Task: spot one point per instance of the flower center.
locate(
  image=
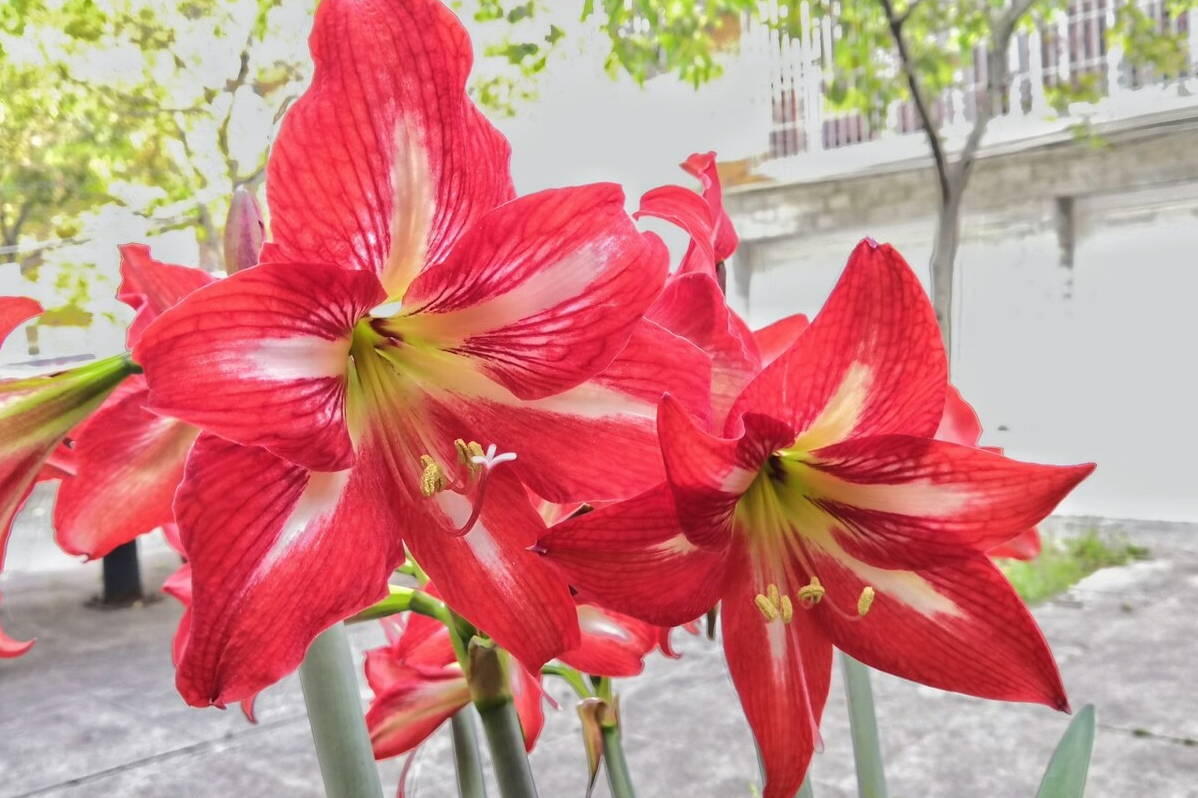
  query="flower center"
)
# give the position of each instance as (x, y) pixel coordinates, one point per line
(782, 522)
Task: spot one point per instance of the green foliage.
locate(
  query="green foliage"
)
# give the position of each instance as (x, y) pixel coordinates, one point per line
(1063, 563)
(160, 107)
(1146, 44)
(680, 36)
(1070, 763)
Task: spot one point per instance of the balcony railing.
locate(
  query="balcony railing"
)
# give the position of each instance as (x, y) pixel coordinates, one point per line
(1072, 50)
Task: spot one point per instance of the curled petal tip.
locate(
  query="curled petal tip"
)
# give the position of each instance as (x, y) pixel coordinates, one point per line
(11, 649)
(873, 244)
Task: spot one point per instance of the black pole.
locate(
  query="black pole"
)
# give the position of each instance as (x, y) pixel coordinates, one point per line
(122, 576)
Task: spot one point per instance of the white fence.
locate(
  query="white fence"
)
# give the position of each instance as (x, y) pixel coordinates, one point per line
(1071, 48)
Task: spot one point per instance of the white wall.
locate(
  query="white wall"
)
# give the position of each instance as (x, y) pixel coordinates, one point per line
(1094, 363)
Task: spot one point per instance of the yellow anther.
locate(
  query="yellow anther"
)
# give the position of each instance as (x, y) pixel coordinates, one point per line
(463, 453)
(811, 593)
(432, 479)
(865, 601)
(768, 609)
(466, 454)
(788, 609)
(774, 595)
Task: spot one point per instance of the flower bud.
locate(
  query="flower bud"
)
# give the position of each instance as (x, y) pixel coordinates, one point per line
(244, 231)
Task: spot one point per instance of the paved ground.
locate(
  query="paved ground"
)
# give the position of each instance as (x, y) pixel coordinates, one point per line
(91, 710)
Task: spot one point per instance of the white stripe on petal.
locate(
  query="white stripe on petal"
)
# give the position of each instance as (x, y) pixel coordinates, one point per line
(316, 504)
(295, 358)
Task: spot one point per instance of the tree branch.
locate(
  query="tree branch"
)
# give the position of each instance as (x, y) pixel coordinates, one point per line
(997, 72)
(902, 18)
(925, 117)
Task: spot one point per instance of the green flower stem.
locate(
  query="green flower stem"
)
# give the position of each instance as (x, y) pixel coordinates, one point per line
(570, 677)
(330, 684)
(618, 778)
(491, 690)
(402, 599)
(506, 740)
(805, 790)
(867, 751)
(465, 755)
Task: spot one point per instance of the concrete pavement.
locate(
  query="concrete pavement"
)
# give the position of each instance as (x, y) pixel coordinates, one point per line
(91, 711)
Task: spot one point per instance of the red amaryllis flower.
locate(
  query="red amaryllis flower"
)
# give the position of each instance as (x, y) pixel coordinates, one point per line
(961, 425)
(337, 430)
(128, 461)
(36, 413)
(824, 513)
(418, 685)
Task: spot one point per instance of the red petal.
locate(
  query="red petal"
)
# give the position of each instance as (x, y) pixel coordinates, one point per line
(542, 293)
(693, 306)
(781, 672)
(960, 423)
(691, 212)
(910, 502)
(775, 339)
(415, 704)
(1024, 546)
(959, 627)
(613, 644)
(279, 554)
(871, 362)
(384, 161)
(655, 362)
(260, 358)
(709, 474)
(633, 558)
(152, 287)
(15, 311)
(11, 648)
(529, 697)
(610, 418)
(128, 463)
(489, 575)
(702, 165)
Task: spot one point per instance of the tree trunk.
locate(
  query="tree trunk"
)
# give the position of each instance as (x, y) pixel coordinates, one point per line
(944, 255)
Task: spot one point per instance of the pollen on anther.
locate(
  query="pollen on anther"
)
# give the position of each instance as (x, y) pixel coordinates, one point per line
(811, 594)
(768, 610)
(787, 610)
(865, 601)
(433, 479)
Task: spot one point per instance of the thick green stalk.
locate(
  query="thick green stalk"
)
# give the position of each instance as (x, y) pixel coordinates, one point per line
(805, 790)
(618, 777)
(491, 691)
(867, 751)
(506, 741)
(330, 684)
(465, 755)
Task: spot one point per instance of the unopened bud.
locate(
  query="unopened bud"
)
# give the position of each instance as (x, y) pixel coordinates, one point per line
(244, 231)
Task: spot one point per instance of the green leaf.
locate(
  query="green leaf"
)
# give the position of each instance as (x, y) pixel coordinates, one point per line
(1066, 773)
